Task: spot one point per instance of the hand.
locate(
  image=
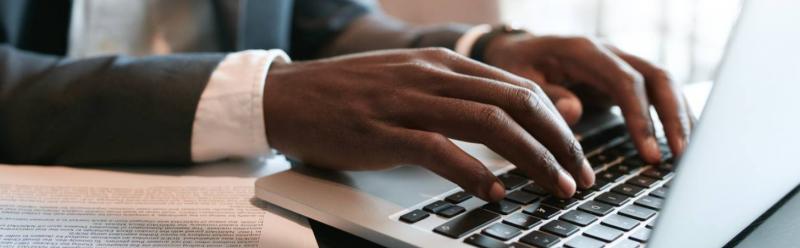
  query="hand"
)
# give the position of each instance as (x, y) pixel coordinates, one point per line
(559, 64)
(381, 109)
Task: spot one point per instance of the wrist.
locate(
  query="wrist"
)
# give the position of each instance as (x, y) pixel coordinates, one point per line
(489, 40)
(504, 47)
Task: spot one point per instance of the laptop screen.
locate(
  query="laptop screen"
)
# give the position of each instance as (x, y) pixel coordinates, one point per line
(742, 157)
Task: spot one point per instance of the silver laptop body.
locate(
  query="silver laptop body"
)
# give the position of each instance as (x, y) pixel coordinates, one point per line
(740, 161)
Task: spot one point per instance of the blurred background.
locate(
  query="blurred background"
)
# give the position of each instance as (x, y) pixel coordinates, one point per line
(687, 37)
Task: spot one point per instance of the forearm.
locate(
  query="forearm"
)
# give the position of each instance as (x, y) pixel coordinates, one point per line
(375, 31)
(104, 110)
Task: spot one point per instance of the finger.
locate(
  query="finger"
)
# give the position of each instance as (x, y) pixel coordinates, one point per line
(529, 108)
(667, 100)
(567, 103)
(448, 60)
(489, 125)
(627, 87)
(439, 155)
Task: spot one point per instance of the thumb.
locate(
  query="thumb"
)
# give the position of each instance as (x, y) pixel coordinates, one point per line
(567, 103)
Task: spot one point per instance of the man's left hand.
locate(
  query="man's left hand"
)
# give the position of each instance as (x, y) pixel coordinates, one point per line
(563, 64)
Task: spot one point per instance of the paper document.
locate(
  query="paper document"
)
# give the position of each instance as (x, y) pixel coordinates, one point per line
(52, 206)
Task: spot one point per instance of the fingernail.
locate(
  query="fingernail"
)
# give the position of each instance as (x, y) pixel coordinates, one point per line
(652, 147)
(566, 185)
(682, 145)
(497, 192)
(567, 107)
(563, 105)
(587, 178)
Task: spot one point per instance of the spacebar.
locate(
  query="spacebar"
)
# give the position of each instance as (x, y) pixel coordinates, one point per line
(464, 224)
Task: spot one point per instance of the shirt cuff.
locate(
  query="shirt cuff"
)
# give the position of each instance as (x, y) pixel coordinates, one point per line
(229, 121)
(465, 42)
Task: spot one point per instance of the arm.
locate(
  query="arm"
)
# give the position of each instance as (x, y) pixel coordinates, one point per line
(324, 28)
(100, 110)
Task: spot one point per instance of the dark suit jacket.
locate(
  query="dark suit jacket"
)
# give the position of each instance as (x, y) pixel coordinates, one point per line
(125, 110)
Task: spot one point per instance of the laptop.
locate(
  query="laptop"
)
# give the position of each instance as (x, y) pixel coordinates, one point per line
(740, 162)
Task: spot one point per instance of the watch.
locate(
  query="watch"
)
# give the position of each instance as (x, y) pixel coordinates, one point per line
(479, 48)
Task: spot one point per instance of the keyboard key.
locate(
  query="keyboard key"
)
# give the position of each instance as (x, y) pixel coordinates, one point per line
(560, 203)
(629, 190)
(620, 222)
(584, 242)
(484, 241)
(642, 181)
(602, 158)
(627, 243)
(624, 168)
(654, 173)
(652, 222)
(502, 231)
(451, 211)
(466, 223)
(659, 192)
(603, 233)
(536, 189)
(613, 198)
(512, 181)
(540, 239)
(600, 184)
(523, 221)
(641, 235)
(667, 166)
(522, 197)
(458, 197)
(634, 162)
(517, 171)
(609, 176)
(502, 207)
(437, 206)
(414, 216)
(560, 228)
(541, 211)
(650, 202)
(578, 217)
(583, 194)
(596, 208)
(601, 138)
(518, 245)
(637, 212)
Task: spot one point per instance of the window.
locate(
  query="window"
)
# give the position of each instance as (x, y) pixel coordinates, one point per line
(687, 37)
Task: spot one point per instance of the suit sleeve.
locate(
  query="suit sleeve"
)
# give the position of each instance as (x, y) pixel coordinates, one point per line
(105, 110)
(316, 23)
(323, 28)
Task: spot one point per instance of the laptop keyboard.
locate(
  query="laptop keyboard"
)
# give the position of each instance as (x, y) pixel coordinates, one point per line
(619, 211)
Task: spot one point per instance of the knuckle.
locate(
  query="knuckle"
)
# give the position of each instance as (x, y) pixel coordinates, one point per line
(441, 54)
(631, 81)
(435, 51)
(535, 88)
(432, 144)
(661, 75)
(578, 42)
(576, 150)
(524, 100)
(491, 117)
(418, 67)
(550, 164)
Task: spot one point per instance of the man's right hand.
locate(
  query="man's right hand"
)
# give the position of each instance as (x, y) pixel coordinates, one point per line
(381, 109)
